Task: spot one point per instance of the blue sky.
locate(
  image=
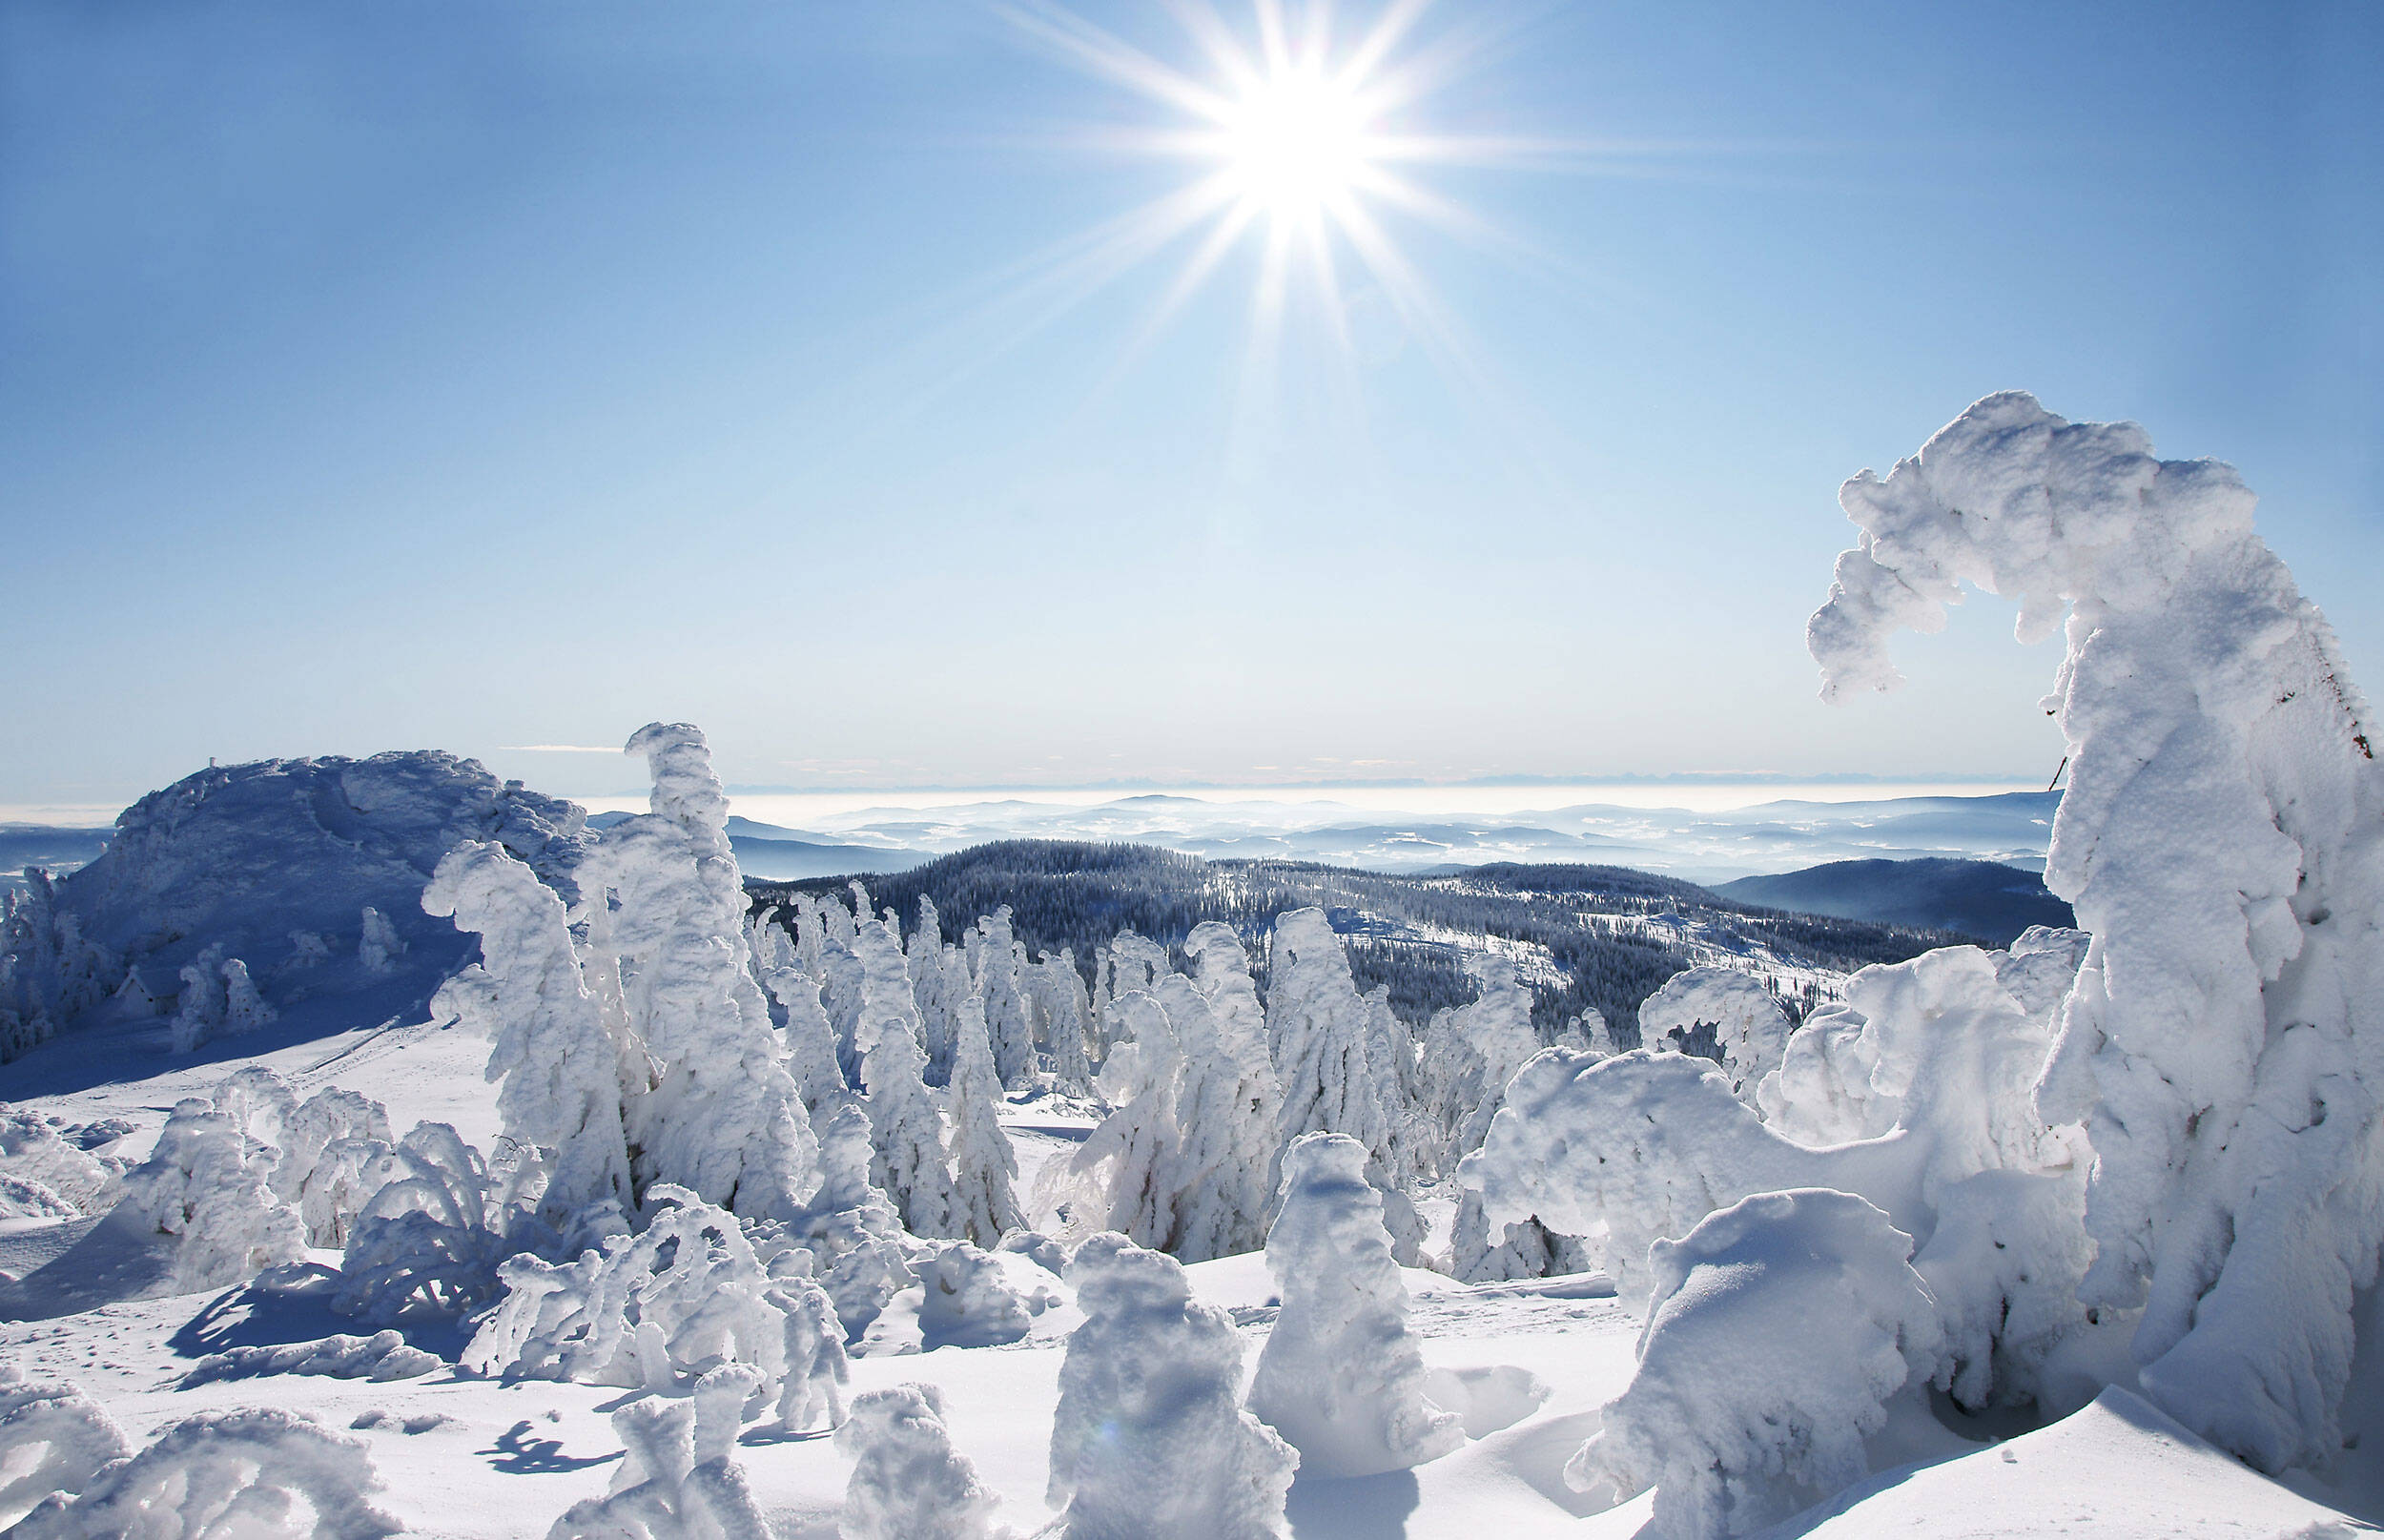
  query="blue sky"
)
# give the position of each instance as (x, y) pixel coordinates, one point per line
(474, 377)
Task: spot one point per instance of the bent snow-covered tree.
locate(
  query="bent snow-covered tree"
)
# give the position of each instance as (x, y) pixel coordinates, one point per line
(559, 1067)
(2225, 1038)
(723, 1118)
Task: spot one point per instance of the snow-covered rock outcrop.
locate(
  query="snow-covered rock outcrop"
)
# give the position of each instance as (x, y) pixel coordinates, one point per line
(268, 864)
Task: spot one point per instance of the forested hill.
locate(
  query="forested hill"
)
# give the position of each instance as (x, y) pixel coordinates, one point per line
(1584, 935)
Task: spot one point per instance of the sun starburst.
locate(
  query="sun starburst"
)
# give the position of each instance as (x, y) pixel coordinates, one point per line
(1298, 139)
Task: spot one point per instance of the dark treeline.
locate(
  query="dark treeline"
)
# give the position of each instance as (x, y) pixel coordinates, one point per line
(1613, 933)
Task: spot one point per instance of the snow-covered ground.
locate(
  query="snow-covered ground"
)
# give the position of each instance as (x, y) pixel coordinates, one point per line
(479, 1459)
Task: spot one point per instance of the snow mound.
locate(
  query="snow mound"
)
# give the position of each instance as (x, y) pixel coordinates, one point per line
(1781, 1327)
(1341, 1377)
(1149, 1441)
(252, 1471)
(677, 1481)
(53, 1439)
(381, 1356)
(2117, 1469)
(907, 1482)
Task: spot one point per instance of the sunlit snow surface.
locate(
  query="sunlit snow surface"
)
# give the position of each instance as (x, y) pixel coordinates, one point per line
(488, 1460)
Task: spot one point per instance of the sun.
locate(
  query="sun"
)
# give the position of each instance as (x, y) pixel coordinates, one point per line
(1297, 141)
(1305, 144)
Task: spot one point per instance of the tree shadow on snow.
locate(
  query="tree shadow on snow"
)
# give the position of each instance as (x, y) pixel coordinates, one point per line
(520, 1454)
(293, 1304)
(1375, 1508)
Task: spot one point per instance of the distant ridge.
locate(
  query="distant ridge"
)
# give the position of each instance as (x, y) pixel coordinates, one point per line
(1986, 900)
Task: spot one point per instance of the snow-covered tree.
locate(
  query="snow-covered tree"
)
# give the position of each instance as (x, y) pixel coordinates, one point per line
(652, 1312)
(1215, 1173)
(53, 1440)
(1318, 1028)
(1749, 1030)
(560, 1087)
(678, 1478)
(811, 1040)
(378, 946)
(811, 1387)
(2220, 1039)
(1316, 1025)
(1777, 1331)
(1635, 1148)
(1056, 993)
(199, 1010)
(48, 1174)
(210, 1188)
(250, 1471)
(905, 1129)
(1341, 1378)
(1150, 1441)
(723, 1118)
(907, 1482)
(1000, 960)
(1136, 962)
(1498, 1040)
(937, 977)
(244, 1009)
(1136, 1145)
(983, 1164)
(430, 1238)
(1220, 972)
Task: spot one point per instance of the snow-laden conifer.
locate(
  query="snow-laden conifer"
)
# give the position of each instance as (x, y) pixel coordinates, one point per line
(810, 1041)
(983, 1164)
(722, 1119)
(558, 1067)
(1061, 1011)
(999, 960)
(1341, 1377)
(1498, 1039)
(905, 1129)
(2222, 1039)
(378, 946)
(1150, 1441)
(907, 1482)
(210, 1189)
(678, 1478)
(1320, 1029)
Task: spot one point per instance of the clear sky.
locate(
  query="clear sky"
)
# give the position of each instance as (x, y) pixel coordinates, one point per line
(483, 376)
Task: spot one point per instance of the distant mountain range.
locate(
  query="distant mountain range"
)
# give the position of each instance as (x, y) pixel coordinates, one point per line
(1981, 899)
(769, 853)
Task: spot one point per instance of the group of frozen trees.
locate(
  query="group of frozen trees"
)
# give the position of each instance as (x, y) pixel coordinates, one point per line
(2146, 1151)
